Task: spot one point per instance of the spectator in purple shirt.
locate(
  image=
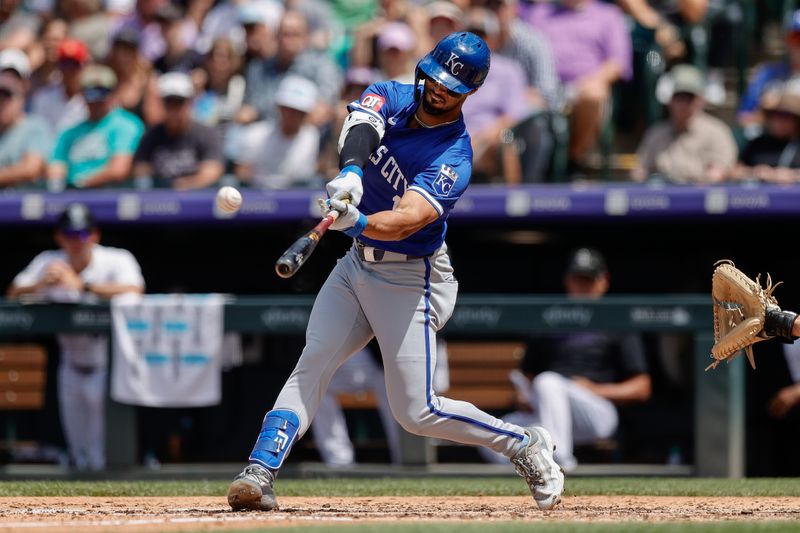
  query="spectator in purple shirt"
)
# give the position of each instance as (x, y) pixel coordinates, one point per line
(501, 102)
(592, 49)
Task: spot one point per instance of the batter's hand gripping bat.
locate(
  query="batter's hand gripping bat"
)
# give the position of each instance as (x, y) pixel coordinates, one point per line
(298, 253)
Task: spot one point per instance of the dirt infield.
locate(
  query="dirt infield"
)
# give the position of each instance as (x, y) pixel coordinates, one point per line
(98, 514)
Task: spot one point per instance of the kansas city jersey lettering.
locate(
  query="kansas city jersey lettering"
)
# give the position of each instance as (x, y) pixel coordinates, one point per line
(435, 163)
(389, 169)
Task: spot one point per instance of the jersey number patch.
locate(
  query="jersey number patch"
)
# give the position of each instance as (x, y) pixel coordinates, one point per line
(372, 101)
(445, 180)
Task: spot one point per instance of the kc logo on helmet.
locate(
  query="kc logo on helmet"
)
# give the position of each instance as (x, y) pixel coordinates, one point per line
(445, 180)
(372, 101)
(454, 66)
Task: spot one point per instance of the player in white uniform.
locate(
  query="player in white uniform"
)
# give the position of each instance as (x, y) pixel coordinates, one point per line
(406, 158)
(81, 270)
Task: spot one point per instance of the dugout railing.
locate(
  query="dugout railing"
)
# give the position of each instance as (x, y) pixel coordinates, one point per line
(719, 395)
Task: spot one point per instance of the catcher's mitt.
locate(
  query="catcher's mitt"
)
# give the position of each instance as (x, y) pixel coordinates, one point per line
(740, 308)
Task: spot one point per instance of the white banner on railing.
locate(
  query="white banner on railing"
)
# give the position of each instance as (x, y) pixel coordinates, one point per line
(167, 349)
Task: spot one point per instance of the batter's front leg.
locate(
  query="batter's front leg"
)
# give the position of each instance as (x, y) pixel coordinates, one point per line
(337, 328)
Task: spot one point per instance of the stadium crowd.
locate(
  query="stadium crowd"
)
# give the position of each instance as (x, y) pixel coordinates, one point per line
(191, 93)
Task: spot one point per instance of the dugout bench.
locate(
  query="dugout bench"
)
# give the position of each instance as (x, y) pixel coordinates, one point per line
(719, 395)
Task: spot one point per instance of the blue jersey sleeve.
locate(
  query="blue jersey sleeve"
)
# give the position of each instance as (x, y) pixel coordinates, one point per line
(381, 100)
(444, 181)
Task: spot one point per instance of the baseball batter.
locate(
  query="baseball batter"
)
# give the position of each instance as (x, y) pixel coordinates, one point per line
(406, 159)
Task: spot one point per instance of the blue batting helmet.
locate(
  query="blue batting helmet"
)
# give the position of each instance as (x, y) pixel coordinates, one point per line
(460, 62)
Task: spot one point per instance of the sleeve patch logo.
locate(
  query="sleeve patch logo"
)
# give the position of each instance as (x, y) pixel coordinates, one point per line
(445, 180)
(372, 101)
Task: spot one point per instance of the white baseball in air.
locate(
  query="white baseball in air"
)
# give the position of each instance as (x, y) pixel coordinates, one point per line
(229, 199)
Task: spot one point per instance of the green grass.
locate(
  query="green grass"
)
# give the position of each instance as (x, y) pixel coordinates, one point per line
(501, 486)
(539, 527)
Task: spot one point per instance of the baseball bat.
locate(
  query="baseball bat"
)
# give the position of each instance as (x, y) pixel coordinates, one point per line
(298, 253)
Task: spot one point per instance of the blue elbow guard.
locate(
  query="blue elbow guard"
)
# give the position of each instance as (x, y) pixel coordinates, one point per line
(278, 434)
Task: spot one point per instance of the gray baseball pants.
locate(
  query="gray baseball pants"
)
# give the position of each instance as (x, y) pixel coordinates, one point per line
(403, 304)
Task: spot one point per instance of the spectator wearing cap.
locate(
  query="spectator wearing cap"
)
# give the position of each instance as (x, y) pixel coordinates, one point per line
(572, 384)
(592, 49)
(769, 76)
(530, 49)
(25, 141)
(15, 61)
(52, 35)
(80, 269)
(294, 56)
(396, 46)
(145, 23)
(444, 18)
(61, 102)
(98, 151)
(178, 56)
(774, 156)
(179, 153)
(282, 152)
(501, 103)
(690, 146)
(260, 22)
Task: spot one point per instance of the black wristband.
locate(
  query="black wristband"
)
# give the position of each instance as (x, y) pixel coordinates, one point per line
(779, 323)
(87, 286)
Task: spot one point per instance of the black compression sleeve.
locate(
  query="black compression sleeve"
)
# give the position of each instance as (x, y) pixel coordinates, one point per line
(361, 141)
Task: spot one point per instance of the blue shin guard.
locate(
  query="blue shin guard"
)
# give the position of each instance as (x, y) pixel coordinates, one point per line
(278, 434)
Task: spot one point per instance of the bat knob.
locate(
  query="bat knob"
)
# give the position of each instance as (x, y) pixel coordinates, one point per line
(284, 268)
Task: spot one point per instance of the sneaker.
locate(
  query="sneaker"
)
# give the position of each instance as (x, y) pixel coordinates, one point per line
(252, 490)
(536, 464)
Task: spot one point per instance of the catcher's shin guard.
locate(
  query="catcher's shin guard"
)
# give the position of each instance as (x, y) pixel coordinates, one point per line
(278, 434)
(778, 323)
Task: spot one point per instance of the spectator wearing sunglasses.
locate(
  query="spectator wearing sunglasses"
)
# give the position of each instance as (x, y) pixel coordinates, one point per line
(774, 156)
(98, 151)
